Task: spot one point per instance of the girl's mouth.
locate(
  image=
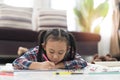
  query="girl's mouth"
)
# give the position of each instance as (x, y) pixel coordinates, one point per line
(55, 62)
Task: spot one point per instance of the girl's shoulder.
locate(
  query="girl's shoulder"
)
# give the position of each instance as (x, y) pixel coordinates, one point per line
(77, 55)
(34, 49)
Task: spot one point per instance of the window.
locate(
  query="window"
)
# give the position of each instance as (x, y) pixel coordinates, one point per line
(19, 3)
(67, 5)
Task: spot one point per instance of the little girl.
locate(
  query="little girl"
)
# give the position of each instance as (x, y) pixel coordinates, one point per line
(56, 50)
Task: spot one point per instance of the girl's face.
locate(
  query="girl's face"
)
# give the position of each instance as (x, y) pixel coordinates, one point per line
(55, 50)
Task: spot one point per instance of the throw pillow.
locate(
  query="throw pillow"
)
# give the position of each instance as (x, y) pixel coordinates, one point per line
(15, 17)
(49, 19)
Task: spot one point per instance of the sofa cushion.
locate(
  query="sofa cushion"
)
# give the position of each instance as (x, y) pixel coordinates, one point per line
(86, 43)
(15, 17)
(50, 19)
(86, 36)
(15, 34)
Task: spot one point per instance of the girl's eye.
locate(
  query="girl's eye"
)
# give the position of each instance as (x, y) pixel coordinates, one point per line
(61, 52)
(51, 52)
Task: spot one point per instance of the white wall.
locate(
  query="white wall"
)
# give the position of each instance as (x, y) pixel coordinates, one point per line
(106, 29)
(1, 1)
(39, 4)
(45, 4)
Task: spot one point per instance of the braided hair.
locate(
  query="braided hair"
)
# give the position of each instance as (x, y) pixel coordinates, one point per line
(56, 34)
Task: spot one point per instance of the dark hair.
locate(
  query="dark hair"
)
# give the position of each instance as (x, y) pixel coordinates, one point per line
(57, 34)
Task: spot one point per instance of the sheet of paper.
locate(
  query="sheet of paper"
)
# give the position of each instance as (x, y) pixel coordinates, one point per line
(109, 63)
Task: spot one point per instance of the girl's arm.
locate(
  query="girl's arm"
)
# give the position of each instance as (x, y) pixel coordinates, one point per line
(24, 61)
(77, 63)
(29, 61)
(46, 65)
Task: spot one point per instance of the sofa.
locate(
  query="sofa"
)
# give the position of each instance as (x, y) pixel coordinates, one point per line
(16, 29)
(12, 38)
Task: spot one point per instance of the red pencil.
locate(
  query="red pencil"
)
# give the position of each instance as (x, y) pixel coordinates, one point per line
(45, 57)
(7, 73)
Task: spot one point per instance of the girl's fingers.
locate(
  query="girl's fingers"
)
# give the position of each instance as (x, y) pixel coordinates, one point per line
(50, 65)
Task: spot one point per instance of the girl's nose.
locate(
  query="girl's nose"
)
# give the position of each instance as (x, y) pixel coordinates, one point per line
(55, 57)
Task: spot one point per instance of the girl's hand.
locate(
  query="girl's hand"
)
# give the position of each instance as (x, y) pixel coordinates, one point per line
(42, 65)
(47, 65)
(60, 65)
